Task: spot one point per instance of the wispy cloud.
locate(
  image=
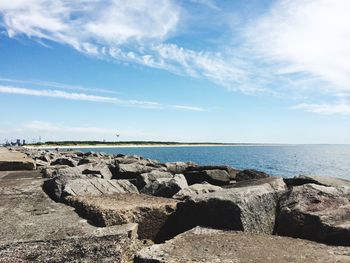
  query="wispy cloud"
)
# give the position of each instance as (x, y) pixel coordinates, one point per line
(56, 85)
(329, 109)
(183, 107)
(91, 98)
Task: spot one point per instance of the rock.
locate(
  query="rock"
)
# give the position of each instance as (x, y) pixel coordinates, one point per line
(251, 208)
(230, 170)
(130, 171)
(64, 161)
(178, 167)
(208, 245)
(99, 168)
(62, 170)
(316, 212)
(167, 188)
(61, 187)
(249, 175)
(148, 178)
(196, 189)
(215, 177)
(149, 212)
(40, 163)
(314, 179)
(10, 161)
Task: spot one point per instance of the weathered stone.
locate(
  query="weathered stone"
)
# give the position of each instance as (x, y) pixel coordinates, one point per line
(64, 161)
(10, 161)
(130, 171)
(315, 179)
(250, 174)
(99, 168)
(317, 213)
(167, 188)
(250, 208)
(148, 178)
(230, 170)
(196, 189)
(40, 163)
(62, 170)
(61, 187)
(208, 245)
(149, 212)
(215, 177)
(178, 167)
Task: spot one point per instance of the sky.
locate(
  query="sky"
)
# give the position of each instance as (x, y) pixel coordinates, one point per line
(257, 71)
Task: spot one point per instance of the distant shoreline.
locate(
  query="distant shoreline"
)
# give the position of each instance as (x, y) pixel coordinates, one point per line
(148, 146)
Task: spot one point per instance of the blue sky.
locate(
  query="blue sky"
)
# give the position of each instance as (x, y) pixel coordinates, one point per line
(194, 70)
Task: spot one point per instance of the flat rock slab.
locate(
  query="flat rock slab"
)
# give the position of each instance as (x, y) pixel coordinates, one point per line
(207, 245)
(12, 160)
(35, 228)
(149, 212)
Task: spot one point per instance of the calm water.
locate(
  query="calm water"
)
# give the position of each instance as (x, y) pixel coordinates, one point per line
(286, 161)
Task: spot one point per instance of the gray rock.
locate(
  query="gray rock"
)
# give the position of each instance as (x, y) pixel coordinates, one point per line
(130, 171)
(250, 208)
(99, 168)
(232, 172)
(315, 179)
(316, 212)
(168, 188)
(148, 178)
(64, 161)
(250, 174)
(62, 170)
(196, 189)
(178, 167)
(61, 187)
(215, 246)
(215, 177)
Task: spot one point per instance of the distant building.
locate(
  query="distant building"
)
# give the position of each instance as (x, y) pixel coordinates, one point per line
(24, 142)
(18, 142)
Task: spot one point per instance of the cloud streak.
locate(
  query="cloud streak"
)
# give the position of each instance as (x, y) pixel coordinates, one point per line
(90, 98)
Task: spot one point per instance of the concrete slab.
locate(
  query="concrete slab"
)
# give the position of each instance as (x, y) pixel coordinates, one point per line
(14, 160)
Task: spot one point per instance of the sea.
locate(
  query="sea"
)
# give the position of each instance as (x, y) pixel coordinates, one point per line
(285, 161)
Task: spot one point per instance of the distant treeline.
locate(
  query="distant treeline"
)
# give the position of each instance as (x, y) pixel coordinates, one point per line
(63, 143)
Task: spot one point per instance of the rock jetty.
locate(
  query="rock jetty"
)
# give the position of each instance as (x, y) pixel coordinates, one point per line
(70, 206)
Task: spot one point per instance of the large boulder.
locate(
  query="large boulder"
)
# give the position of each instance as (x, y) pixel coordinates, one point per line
(61, 187)
(130, 171)
(62, 170)
(100, 168)
(151, 213)
(251, 208)
(178, 167)
(169, 187)
(208, 245)
(232, 172)
(316, 179)
(146, 179)
(215, 177)
(250, 174)
(316, 212)
(64, 161)
(196, 189)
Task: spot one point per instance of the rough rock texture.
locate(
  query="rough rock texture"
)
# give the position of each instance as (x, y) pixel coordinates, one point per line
(62, 186)
(178, 167)
(130, 171)
(62, 170)
(232, 172)
(250, 174)
(64, 161)
(251, 208)
(196, 189)
(10, 160)
(215, 177)
(34, 228)
(212, 246)
(146, 179)
(314, 179)
(149, 212)
(99, 168)
(168, 188)
(317, 213)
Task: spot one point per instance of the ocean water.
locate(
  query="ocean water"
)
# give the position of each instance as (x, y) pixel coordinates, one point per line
(286, 161)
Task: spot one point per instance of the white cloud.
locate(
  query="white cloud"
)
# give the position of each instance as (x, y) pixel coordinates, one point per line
(91, 98)
(340, 108)
(306, 40)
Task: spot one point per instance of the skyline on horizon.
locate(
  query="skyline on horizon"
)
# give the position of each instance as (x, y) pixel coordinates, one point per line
(189, 71)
